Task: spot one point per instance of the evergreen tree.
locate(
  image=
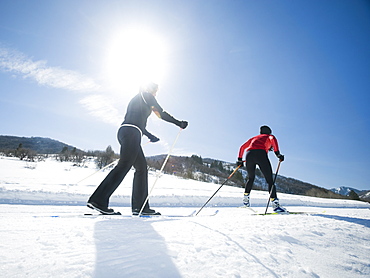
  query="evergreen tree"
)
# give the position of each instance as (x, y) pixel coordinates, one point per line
(198, 159)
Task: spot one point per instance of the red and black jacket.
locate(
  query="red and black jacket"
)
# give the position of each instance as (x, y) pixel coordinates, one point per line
(260, 142)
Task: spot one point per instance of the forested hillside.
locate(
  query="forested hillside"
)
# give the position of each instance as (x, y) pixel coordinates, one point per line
(38, 144)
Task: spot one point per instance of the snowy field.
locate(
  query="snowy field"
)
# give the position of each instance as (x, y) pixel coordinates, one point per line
(331, 240)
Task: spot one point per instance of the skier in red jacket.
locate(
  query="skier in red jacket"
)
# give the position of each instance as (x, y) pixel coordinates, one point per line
(257, 149)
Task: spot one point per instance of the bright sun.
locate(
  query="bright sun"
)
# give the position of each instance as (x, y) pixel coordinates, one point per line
(134, 56)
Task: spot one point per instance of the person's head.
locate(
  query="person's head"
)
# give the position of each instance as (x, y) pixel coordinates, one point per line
(149, 87)
(265, 130)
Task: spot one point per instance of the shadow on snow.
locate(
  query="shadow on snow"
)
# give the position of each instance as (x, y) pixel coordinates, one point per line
(131, 248)
(359, 221)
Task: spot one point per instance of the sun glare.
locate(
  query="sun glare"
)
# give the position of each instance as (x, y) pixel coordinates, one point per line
(135, 56)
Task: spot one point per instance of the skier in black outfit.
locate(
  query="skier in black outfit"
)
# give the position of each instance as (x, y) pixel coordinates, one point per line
(131, 154)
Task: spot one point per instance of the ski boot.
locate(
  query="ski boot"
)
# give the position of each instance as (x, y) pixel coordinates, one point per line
(246, 201)
(102, 209)
(276, 206)
(146, 211)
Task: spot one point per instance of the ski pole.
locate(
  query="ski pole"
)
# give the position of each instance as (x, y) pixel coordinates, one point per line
(236, 169)
(160, 171)
(272, 187)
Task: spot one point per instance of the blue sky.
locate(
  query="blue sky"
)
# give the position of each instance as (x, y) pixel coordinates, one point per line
(68, 69)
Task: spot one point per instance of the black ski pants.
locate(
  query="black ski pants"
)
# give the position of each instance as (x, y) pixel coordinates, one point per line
(131, 154)
(260, 158)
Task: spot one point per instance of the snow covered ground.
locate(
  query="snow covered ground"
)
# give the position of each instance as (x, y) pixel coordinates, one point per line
(332, 240)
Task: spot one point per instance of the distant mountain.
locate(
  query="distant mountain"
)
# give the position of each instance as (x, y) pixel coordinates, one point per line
(343, 190)
(39, 144)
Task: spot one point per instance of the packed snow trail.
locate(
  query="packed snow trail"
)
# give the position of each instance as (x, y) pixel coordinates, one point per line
(230, 244)
(330, 241)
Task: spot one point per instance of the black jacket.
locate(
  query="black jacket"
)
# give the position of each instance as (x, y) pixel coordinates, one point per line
(140, 108)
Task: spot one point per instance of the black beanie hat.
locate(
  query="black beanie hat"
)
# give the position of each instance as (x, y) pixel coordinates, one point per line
(265, 130)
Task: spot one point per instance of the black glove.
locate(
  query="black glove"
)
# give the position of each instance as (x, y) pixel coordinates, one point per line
(240, 162)
(183, 124)
(281, 157)
(153, 139)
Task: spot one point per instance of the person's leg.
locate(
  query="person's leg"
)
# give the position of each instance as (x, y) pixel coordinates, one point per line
(130, 140)
(251, 169)
(265, 166)
(266, 169)
(140, 183)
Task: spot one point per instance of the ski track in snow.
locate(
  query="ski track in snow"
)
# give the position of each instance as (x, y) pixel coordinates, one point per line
(331, 240)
